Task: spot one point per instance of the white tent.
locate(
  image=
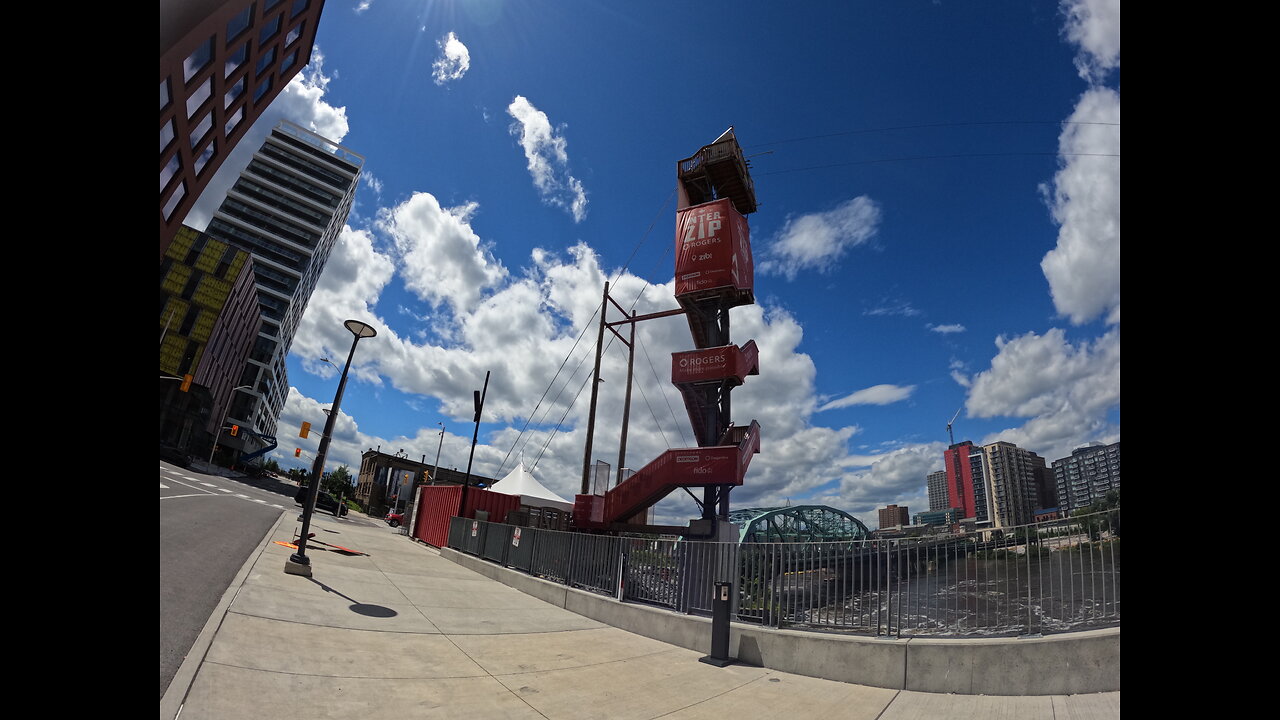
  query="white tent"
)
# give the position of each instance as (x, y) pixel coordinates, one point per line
(531, 492)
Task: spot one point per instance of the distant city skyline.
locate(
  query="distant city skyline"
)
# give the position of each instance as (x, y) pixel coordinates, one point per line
(938, 229)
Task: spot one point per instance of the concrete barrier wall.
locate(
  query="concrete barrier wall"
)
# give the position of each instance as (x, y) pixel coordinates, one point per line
(1066, 664)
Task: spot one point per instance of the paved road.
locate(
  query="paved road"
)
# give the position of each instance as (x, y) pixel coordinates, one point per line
(208, 527)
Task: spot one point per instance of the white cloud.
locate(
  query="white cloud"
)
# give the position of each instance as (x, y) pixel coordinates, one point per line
(547, 157)
(1069, 390)
(947, 329)
(302, 101)
(454, 60)
(522, 331)
(1084, 269)
(874, 395)
(895, 477)
(957, 367)
(1094, 26)
(349, 287)
(893, 307)
(1066, 389)
(362, 6)
(818, 240)
(442, 258)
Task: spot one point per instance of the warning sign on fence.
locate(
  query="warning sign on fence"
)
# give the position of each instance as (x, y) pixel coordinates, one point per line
(515, 538)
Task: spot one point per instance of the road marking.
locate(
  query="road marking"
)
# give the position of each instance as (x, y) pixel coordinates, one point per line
(208, 484)
(246, 497)
(193, 487)
(264, 502)
(163, 486)
(188, 477)
(175, 497)
(223, 490)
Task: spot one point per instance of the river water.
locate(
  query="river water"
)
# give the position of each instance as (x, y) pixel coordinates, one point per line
(1002, 593)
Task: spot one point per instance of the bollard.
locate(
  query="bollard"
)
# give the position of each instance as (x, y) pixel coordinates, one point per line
(720, 627)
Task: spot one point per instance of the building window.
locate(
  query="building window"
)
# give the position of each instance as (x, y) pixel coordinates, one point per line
(239, 24)
(197, 60)
(202, 129)
(199, 96)
(289, 61)
(205, 156)
(178, 193)
(263, 89)
(265, 61)
(294, 34)
(170, 169)
(234, 60)
(233, 93)
(233, 121)
(166, 135)
(298, 7)
(269, 30)
(165, 97)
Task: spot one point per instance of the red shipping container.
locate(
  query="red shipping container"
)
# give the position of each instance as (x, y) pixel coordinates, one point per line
(713, 248)
(717, 363)
(439, 503)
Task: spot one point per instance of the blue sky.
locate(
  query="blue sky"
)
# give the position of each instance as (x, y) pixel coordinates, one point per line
(938, 229)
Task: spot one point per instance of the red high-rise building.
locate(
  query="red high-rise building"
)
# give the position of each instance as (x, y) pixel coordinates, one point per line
(960, 477)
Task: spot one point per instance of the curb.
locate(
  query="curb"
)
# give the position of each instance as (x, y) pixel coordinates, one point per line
(176, 694)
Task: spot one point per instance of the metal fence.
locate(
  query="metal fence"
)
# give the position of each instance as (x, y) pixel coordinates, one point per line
(1048, 577)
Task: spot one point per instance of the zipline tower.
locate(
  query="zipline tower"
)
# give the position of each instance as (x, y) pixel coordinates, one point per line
(713, 273)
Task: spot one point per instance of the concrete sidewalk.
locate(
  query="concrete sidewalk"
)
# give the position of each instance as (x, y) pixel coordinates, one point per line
(404, 632)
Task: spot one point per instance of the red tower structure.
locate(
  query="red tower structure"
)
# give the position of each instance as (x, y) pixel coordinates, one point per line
(713, 273)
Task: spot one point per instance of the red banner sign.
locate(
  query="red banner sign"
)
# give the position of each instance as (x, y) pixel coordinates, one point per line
(713, 248)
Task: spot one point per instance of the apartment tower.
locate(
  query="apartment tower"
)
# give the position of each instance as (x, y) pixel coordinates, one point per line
(286, 210)
(1087, 475)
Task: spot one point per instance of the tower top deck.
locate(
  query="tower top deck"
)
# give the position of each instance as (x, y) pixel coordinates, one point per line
(718, 170)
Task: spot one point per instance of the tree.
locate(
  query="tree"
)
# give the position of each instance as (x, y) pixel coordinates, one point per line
(1094, 522)
(337, 482)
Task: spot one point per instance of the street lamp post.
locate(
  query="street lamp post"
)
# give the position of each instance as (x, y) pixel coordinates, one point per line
(436, 468)
(218, 428)
(298, 563)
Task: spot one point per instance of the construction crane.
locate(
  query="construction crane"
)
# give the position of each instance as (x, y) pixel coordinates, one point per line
(953, 419)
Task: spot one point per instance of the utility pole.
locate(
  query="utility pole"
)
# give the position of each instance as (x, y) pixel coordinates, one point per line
(595, 394)
(479, 401)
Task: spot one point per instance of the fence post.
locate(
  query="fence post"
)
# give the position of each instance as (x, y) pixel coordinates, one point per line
(622, 570)
(568, 570)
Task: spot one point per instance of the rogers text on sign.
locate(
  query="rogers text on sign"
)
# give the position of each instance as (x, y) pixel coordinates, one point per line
(717, 359)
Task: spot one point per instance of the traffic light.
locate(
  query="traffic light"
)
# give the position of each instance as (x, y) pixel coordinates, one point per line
(186, 383)
(297, 452)
(306, 430)
(235, 430)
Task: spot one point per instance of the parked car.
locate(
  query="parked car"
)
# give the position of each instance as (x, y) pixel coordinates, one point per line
(394, 518)
(324, 501)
